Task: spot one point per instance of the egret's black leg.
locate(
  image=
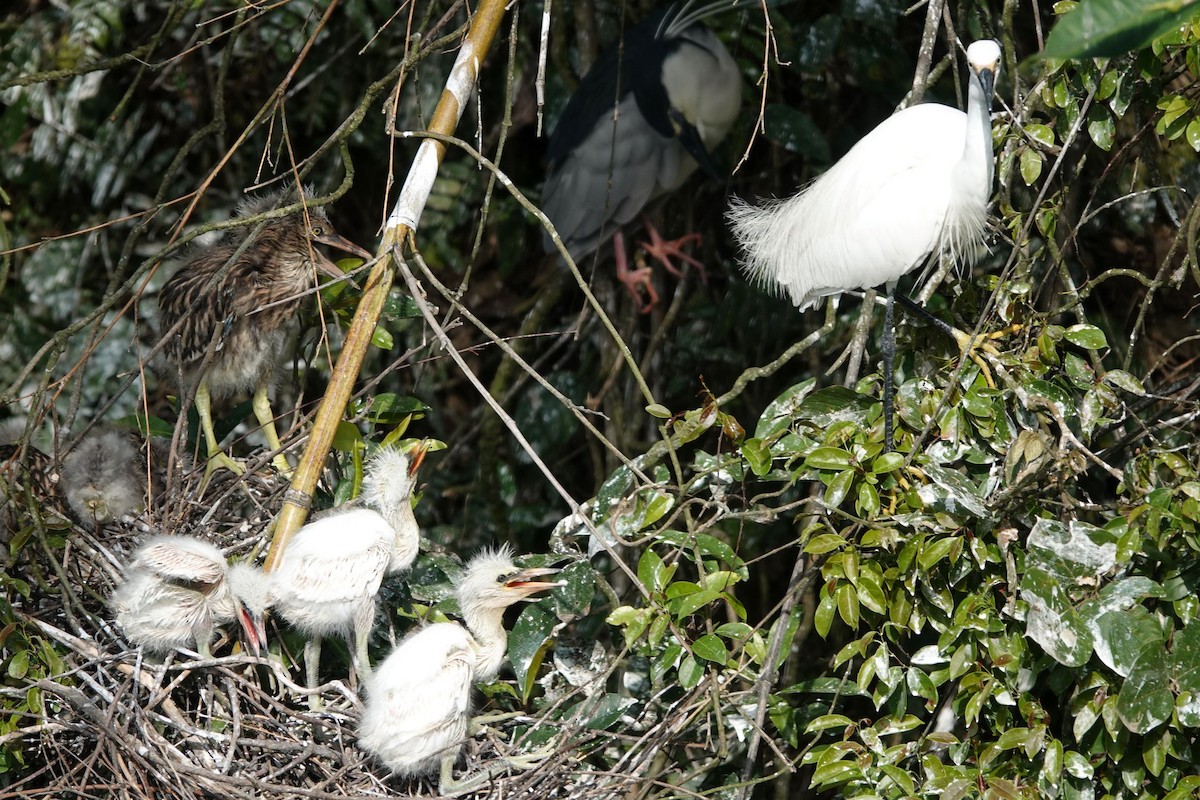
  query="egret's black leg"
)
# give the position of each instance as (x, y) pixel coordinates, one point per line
(967, 343)
(920, 311)
(889, 357)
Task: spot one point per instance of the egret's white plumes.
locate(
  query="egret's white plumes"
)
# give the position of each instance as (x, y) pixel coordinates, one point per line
(916, 185)
(418, 702)
(329, 574)
(179, 590)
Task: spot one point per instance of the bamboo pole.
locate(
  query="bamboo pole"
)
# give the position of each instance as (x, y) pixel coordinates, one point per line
(402, 221)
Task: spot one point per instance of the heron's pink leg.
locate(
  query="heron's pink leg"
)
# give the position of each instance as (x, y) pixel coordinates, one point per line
(663, 251)
(634, 278)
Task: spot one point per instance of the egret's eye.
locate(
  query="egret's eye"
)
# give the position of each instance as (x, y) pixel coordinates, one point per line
(318, 231)
(506, 577)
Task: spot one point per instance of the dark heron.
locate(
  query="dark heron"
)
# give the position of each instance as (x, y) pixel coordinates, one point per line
(642, 119)
(913, 191)
(241, 299)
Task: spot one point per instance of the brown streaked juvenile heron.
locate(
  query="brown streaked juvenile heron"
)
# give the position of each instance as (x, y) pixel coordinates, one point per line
(178, 590)
(642, 119)
(330, 572)
(418, 702)
(248, 302)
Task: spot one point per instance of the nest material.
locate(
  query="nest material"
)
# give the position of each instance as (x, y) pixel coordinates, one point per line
(105, 721)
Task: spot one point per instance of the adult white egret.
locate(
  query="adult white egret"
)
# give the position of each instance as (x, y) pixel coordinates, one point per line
(643, 117)
(329, 574)
(250, 304)
(178, 590)
(418, 702)
(914, 187)
(104, 477)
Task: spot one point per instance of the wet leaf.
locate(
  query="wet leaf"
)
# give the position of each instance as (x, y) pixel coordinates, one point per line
(1109, 28)
(1086, 336)
(710, 648)
(528, 644)
(606, 713)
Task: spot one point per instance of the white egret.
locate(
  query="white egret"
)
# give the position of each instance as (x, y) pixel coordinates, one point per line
(418, 702)
(329, 574)
(178, 590)
(914, 189)
(642, 119)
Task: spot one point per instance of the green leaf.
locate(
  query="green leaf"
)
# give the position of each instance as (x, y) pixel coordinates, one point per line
(1101, 126)
(1145, 701)
(608, 711)
(1042, 134)
(690, 672)
(887, 462)
(653, 572)
(795, 130)
(528, 644)
(659, 411)
(833, 458)
(1110, 28)
(824, 543)
(758, 455)
(18, 665)
(1124, 381)
(691, 603)
(382, 338)
(1031, 165)
(1086, 336)
(868, 500)
(710, 648)
(778, 414)
(823, 618)
(835, 404)
(633, 620)
(839, 487)
(827, 721)
(1192, 134)
(347, 438)
(847, 602)
(734, 631)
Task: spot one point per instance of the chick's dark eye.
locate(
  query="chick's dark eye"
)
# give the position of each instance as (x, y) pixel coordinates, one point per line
(506, 577)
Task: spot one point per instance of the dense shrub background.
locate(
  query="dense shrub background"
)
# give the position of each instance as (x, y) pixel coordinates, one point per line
(1006, 606)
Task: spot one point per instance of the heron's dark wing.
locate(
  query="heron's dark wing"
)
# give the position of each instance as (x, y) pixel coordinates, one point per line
(614, 75)
(204, 306)
(608, 179)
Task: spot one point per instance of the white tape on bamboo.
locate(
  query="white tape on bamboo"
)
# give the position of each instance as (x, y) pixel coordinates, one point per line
(419, 183)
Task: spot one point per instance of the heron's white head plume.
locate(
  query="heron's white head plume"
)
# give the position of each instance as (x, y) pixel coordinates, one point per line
(493, 582)
(490, 584)
(388, 481)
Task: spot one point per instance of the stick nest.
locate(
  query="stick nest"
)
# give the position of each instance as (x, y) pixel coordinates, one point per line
(88, 712)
